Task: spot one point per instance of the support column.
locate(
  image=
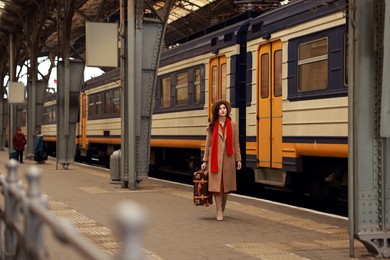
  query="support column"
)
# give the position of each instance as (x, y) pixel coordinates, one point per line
(12, 112)
(144, 41)
(70, 77)
(3, 108)
(68, 103)
(369, 152)
(36, 95)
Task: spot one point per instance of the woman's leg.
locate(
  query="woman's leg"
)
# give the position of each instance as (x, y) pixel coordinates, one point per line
(218, 205)
(224, 200)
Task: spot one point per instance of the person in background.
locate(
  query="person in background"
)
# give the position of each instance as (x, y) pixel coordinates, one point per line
(38, 148)
(19, 141)
(222, 155)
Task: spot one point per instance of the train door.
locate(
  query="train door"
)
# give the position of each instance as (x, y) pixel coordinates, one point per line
(269, 108)
(217, 80)
(83, 123)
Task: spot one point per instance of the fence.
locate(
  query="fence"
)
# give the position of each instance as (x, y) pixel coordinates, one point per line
(25, 213)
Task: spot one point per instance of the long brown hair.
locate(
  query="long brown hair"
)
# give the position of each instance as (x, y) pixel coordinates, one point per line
(215, 116)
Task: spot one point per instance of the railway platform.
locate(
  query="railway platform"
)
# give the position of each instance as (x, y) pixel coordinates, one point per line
(176, 229)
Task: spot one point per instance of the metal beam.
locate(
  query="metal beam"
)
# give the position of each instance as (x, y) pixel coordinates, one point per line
(385, 106)
(144, 41)
(68, 97)
(369, 162)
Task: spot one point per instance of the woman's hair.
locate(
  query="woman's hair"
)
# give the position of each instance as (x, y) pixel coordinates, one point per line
(215, 116)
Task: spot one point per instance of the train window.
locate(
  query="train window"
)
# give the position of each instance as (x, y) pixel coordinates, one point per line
(313, 65)
(278, 73)
(264, 75)
(223, 81)
(24, 118)
(52, 117)
(99, 104)
(44, 116)
(214, 83)
(104, 104)
(196, 86)
(116, 101)
(107, 102)
(91, 106)
(165, 92)
(217, 79)
(182, 89)
(49, 115)
(316, 65)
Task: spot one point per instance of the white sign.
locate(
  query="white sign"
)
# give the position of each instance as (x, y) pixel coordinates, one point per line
(101, 44)
(16, 93)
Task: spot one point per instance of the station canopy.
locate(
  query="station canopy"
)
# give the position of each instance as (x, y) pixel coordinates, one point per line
(26, 19)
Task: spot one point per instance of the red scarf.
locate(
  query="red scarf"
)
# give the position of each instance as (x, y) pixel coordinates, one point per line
(214, 144)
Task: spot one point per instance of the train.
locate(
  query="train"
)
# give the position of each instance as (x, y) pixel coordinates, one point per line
(283, 71)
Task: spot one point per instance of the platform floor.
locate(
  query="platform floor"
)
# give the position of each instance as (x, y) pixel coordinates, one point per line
(251, 229)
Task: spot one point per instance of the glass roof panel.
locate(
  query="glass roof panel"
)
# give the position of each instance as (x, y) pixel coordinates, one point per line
(182, 8)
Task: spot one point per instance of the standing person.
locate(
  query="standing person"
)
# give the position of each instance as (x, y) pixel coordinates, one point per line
(222, 155)
(38, 148)
(19, 141)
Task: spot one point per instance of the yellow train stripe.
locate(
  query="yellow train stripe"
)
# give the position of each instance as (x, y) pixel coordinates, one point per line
(103, 140)
(294, 150)
(313, 149)
(50, 139)
(174, 143)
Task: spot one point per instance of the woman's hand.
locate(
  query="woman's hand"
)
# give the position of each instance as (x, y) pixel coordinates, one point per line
(203, 166)
(239, 165)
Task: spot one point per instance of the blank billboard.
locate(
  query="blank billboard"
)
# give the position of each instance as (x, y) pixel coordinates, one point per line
(101, 44)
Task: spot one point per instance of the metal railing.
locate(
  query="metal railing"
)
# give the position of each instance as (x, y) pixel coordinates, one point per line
(25, 213)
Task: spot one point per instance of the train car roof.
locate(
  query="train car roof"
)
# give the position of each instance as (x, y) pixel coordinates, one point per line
(103, 79)
(50, 96)
(290, 15)
(262, 25)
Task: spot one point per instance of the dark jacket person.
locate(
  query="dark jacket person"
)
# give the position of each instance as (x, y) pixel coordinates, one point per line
(19, 141)
(38, 148)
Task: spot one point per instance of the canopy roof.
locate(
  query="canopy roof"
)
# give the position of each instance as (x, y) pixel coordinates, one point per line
(27, 20)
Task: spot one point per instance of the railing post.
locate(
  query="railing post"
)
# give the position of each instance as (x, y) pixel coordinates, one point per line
(11, 211)
(34, 236)
(131, 220)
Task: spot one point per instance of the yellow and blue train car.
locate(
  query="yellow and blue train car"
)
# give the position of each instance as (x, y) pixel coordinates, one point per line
(283, 71)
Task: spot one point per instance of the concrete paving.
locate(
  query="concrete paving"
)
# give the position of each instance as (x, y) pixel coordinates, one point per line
(176, 229)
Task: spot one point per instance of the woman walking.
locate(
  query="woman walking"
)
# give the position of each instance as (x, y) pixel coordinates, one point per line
(222, 155)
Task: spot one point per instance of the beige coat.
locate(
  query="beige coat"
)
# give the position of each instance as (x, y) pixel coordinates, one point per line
(226, 164)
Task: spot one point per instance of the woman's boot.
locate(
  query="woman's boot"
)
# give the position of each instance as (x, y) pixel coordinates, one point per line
(218, 204)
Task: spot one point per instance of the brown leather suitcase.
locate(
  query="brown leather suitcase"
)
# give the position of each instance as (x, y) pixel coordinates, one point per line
(202, 197)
